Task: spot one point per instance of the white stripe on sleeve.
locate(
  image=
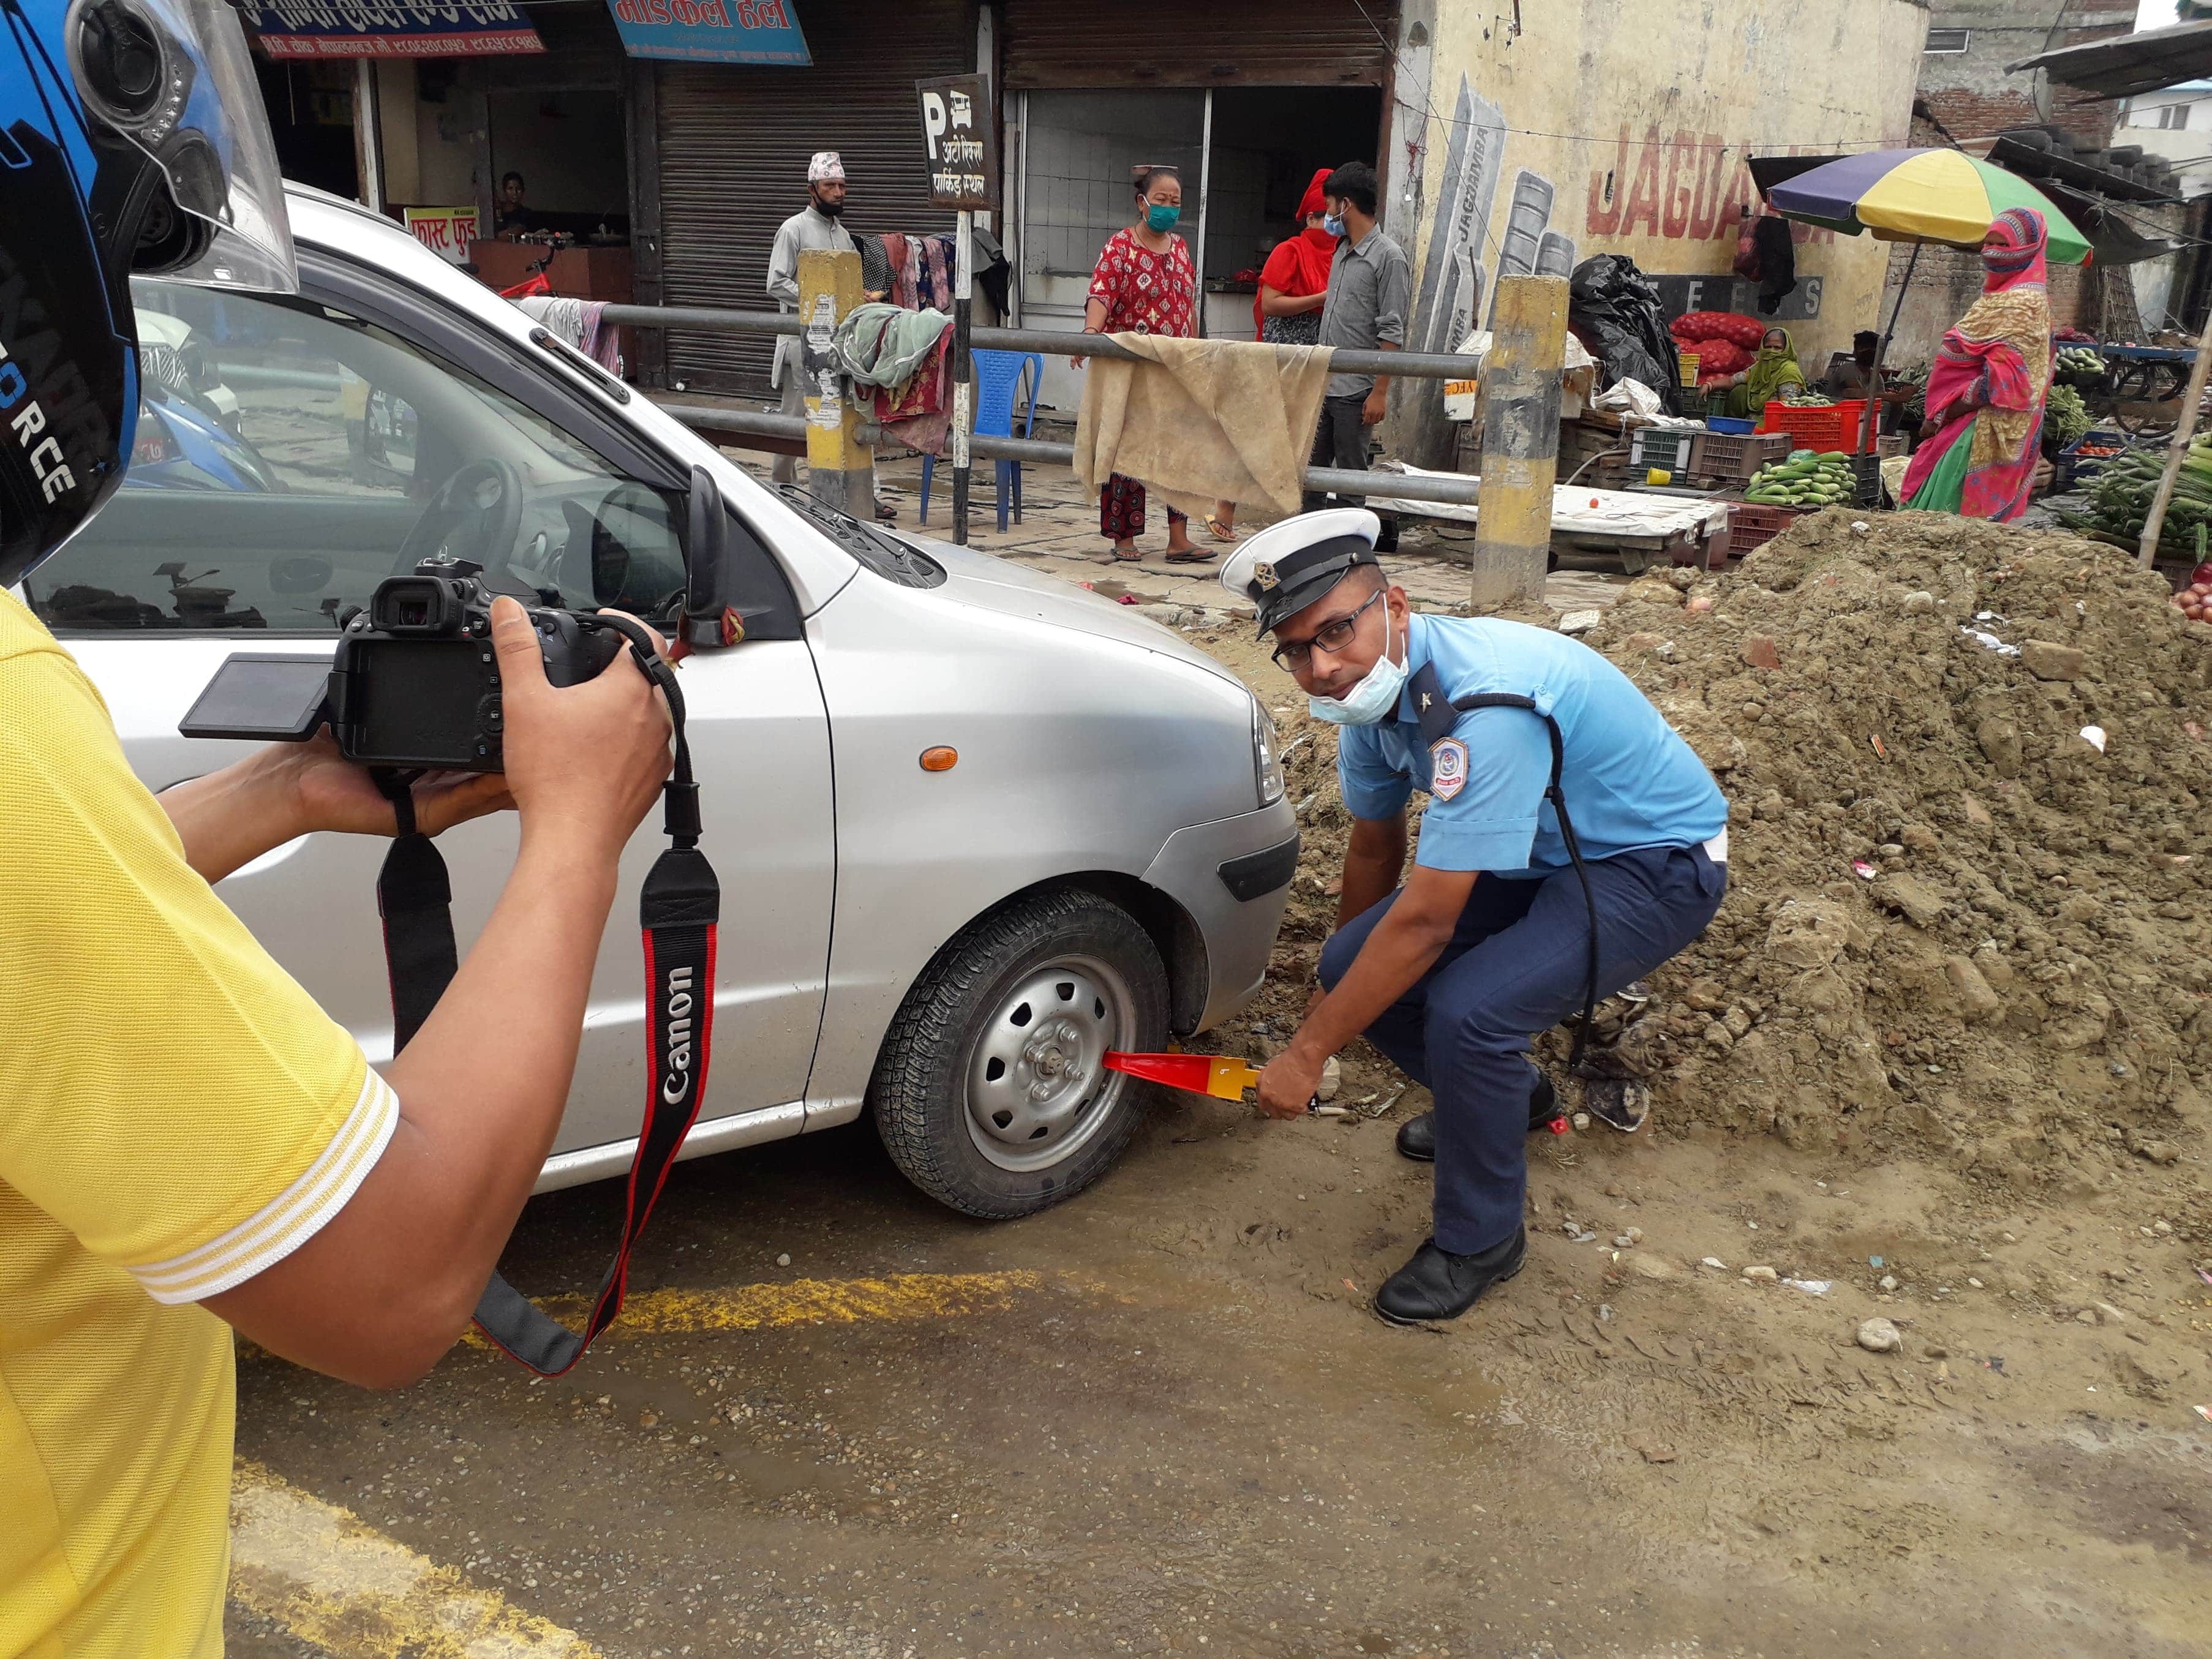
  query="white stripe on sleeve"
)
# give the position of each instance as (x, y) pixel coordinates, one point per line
(293, 1217)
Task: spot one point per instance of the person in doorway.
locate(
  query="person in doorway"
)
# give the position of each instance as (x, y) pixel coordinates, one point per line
(1293, 287)
(1367, 307)
(1572, 776)
(1984, 431)
(1145, 282)
(813, 229)
(513, 220)
(1773, 372)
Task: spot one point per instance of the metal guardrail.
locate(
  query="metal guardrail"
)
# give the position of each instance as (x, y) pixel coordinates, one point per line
(1412, 365)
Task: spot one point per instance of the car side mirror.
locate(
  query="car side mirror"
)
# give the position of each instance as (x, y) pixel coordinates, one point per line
(711, 618)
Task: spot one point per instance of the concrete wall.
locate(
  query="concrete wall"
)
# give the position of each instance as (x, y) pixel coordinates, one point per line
(1604, 128)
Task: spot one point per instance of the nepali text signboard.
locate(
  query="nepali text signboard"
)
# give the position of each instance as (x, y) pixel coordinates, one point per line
(446, 231)
(355, 29)
(955, 129)
(712, 31)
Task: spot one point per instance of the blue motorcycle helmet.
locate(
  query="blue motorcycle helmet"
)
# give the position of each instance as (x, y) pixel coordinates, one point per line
(132, 139)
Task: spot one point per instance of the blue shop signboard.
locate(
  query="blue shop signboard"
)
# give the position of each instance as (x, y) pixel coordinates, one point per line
(712, 31)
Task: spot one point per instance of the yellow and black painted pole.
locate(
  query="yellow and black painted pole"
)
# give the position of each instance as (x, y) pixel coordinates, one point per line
(841, 470)
(1520, 402)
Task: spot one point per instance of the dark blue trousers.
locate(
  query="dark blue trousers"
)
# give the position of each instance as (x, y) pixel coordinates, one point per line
(1514, 968)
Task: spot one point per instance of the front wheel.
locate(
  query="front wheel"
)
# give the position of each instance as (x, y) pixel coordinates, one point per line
(991, 1093)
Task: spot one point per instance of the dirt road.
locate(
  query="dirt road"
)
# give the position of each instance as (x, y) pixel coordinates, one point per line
(1161, 1420)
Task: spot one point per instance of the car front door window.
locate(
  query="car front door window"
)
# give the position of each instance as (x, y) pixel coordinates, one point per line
(290, 457)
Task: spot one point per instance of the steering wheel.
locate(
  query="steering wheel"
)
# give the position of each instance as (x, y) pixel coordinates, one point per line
(487, 491)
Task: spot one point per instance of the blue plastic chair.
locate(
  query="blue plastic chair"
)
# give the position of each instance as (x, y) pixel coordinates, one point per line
(999, 377)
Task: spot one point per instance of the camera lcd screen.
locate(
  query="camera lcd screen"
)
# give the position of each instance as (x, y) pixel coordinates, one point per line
(261, 696)
(421, 699)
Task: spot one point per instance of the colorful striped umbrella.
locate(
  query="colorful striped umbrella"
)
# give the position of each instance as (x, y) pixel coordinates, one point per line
(1920, 195)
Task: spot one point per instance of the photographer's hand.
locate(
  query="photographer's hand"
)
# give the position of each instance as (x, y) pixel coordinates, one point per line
(390, 1282)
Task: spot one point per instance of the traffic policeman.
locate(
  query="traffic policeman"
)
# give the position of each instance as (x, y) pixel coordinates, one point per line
(1572, 844)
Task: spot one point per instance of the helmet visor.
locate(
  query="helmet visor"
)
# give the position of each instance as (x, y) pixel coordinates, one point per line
(175, 80)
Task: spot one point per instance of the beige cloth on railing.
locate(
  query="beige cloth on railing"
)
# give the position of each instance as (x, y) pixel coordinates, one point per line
(1203, 420)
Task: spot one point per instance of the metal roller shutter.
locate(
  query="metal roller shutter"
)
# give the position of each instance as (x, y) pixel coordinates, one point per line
(1055, 44)
(734, 142)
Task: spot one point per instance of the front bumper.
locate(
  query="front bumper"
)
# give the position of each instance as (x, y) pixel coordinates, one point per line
(1233, 878)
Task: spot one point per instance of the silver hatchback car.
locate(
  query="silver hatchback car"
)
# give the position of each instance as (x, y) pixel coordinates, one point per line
(1103, 867)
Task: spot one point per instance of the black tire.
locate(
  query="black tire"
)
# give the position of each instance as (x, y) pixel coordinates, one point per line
(928, 1094)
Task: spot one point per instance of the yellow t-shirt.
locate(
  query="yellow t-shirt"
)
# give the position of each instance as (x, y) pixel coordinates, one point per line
(176, 1114)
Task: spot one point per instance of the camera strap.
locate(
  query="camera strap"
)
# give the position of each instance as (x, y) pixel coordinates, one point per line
(677, 910)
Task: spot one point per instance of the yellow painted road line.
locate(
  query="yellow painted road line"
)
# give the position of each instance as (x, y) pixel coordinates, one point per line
(328, 1579)
(898, 1297)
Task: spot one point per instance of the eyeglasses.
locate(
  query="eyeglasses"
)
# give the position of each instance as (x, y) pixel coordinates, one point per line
(1331, 637)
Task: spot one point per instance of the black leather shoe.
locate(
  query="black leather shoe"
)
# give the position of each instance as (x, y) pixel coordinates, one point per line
(1416, 1136)
(1437, 1285)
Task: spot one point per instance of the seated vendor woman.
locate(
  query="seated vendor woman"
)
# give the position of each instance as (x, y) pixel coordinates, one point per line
(1771, 373)
(1572, 842)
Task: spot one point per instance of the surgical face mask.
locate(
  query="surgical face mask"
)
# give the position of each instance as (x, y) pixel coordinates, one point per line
(1160, 216)
(1334, 224)
(1372, 700)
(829, 209)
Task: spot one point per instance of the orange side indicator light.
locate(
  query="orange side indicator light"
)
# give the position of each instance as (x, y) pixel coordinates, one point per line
(939, 759)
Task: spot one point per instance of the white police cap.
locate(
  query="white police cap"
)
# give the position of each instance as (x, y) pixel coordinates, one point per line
(1288, 566)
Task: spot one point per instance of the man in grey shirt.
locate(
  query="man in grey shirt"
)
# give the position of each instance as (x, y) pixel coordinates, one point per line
(1370, 289)
(813, 229)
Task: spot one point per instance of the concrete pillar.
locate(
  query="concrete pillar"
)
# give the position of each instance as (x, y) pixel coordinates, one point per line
(841, 470)
(1520, 406)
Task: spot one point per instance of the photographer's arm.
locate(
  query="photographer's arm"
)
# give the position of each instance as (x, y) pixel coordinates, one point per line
(228, 819)
(388, 1286)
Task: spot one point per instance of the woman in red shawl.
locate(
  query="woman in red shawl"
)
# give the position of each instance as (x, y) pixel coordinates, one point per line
(1986, 391)
(1293, 285)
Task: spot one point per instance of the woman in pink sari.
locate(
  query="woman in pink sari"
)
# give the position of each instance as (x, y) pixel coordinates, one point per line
(1986, 391)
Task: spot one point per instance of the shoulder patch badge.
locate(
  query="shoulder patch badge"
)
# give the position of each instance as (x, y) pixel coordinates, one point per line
(1447, 768)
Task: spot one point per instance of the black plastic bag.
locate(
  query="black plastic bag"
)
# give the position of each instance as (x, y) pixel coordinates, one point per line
(1614, 310)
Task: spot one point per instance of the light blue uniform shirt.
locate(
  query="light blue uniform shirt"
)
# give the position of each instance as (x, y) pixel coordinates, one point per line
(1629, 780)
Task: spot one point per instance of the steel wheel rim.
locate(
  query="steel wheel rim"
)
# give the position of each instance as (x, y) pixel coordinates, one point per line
(1036, 1086)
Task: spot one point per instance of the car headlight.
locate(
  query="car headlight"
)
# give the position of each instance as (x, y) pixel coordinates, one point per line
(1267, 760)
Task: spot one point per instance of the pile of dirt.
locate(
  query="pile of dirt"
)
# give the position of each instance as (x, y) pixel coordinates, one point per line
(1967, 917)
(1956, 928)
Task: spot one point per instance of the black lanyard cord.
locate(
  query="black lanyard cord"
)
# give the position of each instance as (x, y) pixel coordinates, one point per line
(678, 909)
(1553, 794)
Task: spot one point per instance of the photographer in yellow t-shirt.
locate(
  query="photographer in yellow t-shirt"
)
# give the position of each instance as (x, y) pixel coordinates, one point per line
(188, 1145)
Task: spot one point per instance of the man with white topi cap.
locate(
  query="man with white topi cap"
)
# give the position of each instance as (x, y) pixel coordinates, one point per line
(813, 229)
(1572, 843)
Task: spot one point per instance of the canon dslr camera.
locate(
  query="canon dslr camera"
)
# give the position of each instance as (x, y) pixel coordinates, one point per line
(415, 683)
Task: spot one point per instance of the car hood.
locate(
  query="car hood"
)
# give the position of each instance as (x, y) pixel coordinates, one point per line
(996, 584)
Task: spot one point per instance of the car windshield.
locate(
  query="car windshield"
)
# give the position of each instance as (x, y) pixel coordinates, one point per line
(290, 457)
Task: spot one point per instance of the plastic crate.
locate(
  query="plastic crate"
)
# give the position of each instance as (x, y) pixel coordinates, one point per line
(2073, 467)
(1750, 525)
(1694, 403)
(1672, 449)
(1736, 457)
(1833, 428)
(1868, 492)
(1734, 424)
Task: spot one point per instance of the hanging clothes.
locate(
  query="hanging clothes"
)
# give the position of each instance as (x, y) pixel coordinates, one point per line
(1987, 391)
(1777, 263)
(938, 256)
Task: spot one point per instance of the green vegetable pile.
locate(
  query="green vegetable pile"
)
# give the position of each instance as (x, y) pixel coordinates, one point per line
(2120, 496)
(2082, 360)
(2066, 416)
(1807, 400)
(1804, 480)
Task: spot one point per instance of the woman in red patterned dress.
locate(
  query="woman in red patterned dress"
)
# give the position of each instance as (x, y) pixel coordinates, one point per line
(1145, 284)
